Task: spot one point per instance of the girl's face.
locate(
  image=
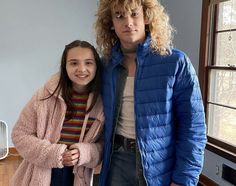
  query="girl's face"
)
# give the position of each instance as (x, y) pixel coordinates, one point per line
(81, 67)
(129, 26)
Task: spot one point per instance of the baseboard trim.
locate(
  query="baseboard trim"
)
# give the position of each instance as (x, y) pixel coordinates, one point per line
(12, 150)
(12, 155)
(205, 181)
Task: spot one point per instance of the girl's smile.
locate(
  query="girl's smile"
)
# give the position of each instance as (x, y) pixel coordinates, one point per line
(81, 67)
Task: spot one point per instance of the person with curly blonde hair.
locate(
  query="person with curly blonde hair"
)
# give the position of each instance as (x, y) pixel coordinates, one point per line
(154, 130)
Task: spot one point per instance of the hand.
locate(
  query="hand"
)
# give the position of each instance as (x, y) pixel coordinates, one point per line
(70, 157)
(173, 184)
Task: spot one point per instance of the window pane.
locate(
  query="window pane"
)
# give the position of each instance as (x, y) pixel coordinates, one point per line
(222, 124)
(227, 15)
(226, 49)
(222, 120)
(223, 87)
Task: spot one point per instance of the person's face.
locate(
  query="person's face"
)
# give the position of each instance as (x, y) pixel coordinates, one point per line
(129, 26)
(81, 67)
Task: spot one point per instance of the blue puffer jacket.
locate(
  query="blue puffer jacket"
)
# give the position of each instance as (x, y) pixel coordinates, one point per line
(169, 116)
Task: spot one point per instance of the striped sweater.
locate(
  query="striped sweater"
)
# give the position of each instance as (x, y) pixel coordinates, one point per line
(74, 118)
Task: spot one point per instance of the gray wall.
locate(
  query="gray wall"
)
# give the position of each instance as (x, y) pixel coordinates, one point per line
(185, 15)
(32, 37)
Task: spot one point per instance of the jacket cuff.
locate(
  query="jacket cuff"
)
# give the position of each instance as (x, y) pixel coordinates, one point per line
(57, 156)
(89, 154)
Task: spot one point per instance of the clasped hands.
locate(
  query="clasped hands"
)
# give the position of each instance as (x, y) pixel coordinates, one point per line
(70, 157)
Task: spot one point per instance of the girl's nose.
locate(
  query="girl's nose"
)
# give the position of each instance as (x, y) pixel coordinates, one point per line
(81, 68)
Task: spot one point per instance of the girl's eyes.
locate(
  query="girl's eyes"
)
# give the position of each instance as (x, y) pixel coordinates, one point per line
(74, 63)
(89, 63)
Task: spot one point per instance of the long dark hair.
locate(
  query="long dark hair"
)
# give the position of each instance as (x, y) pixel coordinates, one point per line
(65, 84)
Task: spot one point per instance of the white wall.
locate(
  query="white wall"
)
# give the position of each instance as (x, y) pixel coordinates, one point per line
(32, 37)
(213, 167)
(185, 15)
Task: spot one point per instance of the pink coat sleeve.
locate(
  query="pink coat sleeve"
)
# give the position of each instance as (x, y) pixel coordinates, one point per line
(37, 151)
(90, 154)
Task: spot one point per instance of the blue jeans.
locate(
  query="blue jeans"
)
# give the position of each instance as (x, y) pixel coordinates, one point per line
(123, 168)
(62, 177)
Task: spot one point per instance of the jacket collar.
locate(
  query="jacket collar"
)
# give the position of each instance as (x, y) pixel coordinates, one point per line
(142, 50)
(52, 83)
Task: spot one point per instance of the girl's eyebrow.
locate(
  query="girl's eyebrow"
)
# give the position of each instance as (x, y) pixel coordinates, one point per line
(72, 59)
(88, 59)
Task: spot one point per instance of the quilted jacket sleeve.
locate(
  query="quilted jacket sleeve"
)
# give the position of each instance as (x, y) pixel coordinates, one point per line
(190, 120)
(39, 152)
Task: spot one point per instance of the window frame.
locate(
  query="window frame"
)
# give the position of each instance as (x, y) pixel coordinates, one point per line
(207, 44)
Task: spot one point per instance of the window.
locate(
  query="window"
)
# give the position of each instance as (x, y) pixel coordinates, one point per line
(217, 71)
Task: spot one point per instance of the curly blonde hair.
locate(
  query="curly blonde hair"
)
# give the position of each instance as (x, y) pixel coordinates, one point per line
(160, 30)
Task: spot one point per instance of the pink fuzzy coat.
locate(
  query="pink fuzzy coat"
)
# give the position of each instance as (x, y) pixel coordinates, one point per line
(37, 132)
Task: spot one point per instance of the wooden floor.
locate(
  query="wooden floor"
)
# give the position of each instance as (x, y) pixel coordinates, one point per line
(8, 166)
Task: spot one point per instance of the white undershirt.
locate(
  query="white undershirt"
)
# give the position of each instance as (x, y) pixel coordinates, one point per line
(126, 123)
